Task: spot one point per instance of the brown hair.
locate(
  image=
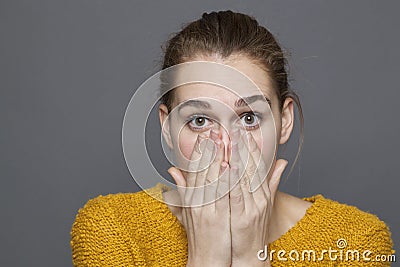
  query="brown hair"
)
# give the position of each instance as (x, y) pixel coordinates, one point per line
(226, 33)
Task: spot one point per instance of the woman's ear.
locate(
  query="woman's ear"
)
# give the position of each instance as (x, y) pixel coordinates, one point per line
(164, 121)
(287, 120)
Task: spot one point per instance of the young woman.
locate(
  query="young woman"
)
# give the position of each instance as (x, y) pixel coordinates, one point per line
(237, 227)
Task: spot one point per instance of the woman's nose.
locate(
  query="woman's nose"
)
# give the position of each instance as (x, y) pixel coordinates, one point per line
(225, 135)
(226, 140)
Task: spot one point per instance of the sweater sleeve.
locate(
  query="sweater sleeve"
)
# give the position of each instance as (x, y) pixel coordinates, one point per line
(375, 247)
(97, 239)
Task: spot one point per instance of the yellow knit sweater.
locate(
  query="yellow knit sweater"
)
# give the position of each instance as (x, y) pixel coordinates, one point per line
(135, 229)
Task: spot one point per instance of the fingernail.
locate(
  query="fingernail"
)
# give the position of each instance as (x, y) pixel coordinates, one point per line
(214, 136)
(215, 131)
(218, 142)
(224, 164)
(197, 144)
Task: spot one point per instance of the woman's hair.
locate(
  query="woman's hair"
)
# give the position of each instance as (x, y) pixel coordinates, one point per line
(227, 33)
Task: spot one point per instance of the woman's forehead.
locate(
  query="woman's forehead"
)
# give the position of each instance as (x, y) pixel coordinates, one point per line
(257, 82)
(205, 91)
(199, 90)
(218, 101)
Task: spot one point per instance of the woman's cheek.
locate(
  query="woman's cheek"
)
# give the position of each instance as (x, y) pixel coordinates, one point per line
(186, 142)
(266, 145)
(187, 145)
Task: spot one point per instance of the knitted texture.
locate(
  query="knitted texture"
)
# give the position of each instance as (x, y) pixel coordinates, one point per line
(135, 229)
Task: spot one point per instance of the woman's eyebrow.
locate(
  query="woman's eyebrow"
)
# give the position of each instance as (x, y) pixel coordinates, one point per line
(241, 102)
(245, 101)
(195, 103)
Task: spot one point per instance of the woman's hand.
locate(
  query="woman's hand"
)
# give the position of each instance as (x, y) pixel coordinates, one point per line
(207, 225)
(250, 211)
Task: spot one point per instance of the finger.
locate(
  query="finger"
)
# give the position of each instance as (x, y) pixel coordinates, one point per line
(241, 158)
(257, 169)
(235, 195)
(222, 194)
(177, 176)
(214, 169)
(247, 161)
(211, 183)
(193, 168)
(246, 170)
(254, 188)
(194, 162)
(180, 182)
(208, 152)
(223, 181)
(234, 158)
(280, 166)
(240, 196)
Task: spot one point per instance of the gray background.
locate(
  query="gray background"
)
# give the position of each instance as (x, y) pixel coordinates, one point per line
(68, 70)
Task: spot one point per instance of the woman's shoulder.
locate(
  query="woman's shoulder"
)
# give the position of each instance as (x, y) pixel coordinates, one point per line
(136, 204)
(116, 214)
(118, 227)
(322, 213)
(346, 222)
(329, 210)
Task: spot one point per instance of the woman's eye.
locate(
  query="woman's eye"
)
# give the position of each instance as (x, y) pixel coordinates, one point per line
(198, 123)
(250, 120)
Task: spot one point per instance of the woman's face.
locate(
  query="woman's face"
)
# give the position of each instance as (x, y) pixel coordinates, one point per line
(216, 107)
